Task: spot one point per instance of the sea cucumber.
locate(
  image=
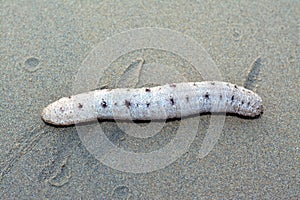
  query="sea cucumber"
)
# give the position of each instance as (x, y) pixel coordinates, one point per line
(154, 103)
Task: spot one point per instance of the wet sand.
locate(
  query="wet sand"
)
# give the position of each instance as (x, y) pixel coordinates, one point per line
(43, 45)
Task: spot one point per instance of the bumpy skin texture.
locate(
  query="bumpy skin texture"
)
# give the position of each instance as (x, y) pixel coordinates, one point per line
(168, 101)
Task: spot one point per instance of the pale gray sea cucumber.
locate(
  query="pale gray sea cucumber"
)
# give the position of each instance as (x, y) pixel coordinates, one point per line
(156, 103)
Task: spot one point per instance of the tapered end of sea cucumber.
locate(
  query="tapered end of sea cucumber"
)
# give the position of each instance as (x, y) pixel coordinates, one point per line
(255, 110)
(48, 116)
(56, 114)
(259, 108)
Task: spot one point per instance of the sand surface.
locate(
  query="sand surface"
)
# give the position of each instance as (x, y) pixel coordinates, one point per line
(43, 45)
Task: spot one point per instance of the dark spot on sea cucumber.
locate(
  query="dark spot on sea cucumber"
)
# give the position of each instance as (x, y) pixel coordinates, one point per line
(173, 85)
(243, 102)
(70, 97)
(220, 96)
(61, 109)
(103, 104)
(213, 83)
(127, 103)
(206, 95)
(248, 103)
(172, 101)
(235, 86)
(80, 105)
(194, 84)
(103, 87)
(232, 98)
(187, 98)
(147, 90)
(159, 88)
(116, 103)
(137, 105)
(148, 104)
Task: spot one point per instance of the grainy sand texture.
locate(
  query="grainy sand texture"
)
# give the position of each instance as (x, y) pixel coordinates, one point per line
(46, 45)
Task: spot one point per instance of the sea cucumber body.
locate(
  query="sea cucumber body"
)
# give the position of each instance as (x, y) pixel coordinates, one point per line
(168, 101)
